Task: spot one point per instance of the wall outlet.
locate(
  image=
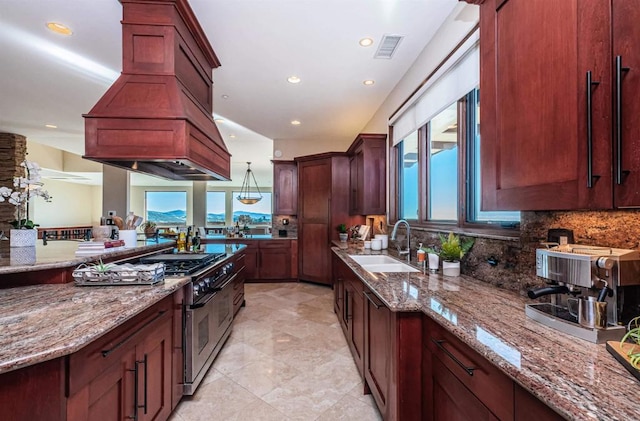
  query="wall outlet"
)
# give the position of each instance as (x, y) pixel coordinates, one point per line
(111, 213)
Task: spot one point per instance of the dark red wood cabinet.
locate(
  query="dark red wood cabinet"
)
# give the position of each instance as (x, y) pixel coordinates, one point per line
(127, 373)
(238, 283)
(558, 131)
(265, 260)
(285, 188)
(456, 380)
(323, 204)
(392, 359)
(124, 374)
(349, 302)
(367, 175)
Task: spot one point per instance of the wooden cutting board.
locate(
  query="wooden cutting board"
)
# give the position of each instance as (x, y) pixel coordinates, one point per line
(614, 349)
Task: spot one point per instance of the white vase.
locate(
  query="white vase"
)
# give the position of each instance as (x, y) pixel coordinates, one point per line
(450, 268)
(22, 255)
(344, 237)
(23, 238)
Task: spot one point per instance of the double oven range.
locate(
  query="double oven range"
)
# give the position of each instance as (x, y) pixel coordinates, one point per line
(207, 309)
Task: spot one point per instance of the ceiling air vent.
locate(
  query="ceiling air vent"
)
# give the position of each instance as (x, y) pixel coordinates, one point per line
(388, 46)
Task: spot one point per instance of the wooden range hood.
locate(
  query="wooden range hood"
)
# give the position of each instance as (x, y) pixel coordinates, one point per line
(157, 116)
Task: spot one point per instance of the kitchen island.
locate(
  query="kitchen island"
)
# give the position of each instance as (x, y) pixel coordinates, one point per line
(577, 379)
(59, 343)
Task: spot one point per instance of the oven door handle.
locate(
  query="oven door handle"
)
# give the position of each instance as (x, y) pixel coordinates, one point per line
(213, 293)
(223, 286)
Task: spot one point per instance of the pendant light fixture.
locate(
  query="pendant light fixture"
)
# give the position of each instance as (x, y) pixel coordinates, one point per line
(245, 195)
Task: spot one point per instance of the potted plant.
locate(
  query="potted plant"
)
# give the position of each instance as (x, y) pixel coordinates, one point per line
(451, 250)
(342, 230)
(149, 228)
(627, 351)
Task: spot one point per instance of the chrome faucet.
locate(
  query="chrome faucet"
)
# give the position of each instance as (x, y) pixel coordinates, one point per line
(393, 237)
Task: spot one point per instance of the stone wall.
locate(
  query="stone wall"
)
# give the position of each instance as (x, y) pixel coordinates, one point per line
(510, 263)
(13, 150)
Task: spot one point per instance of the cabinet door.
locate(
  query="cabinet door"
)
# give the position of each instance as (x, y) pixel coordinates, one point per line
(354, 200)
(251, 260)
(314, 217)
(109, 396)
(452, 401)
(530, 408)
(378, 355)
(356, 323)
(275, 263)
(626, 37)
(153, 359)
(533, 113)
(339, 291)
(285, 188)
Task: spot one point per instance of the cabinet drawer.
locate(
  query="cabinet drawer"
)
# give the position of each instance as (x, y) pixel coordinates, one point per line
(97, 356)
(275, 244)
(492, 387)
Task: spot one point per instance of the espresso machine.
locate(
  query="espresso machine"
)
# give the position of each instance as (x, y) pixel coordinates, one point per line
(594, 291)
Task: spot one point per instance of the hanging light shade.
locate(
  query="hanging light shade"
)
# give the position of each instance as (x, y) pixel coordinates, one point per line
(246, 196)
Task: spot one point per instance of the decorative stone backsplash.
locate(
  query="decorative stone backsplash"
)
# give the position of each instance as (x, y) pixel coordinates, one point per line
(510, 263)
(13, 150)
(277, 224)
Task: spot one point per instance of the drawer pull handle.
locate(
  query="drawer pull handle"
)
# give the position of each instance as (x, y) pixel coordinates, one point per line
(106, 352)
(376, 305)
(439, 344)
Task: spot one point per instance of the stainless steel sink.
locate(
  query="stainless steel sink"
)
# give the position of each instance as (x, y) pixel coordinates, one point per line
(382, 264)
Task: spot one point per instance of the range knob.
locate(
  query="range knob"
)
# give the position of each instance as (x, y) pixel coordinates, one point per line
(196, 290)
(207, 283)
(203, 287)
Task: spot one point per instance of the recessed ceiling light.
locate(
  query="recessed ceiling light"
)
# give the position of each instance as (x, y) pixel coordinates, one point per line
(365, 42)
(51, 126)
(293, 79)
(225, 96)
(232, 136)
(59, 28)
(295, 122)
(219, 120)
(369, 82)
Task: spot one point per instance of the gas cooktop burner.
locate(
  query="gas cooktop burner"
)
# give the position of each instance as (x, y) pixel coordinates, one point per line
(183, 264)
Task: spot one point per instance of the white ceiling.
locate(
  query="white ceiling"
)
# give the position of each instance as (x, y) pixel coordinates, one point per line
(51, 79)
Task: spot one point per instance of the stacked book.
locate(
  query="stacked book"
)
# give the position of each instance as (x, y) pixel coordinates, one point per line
(90, 248)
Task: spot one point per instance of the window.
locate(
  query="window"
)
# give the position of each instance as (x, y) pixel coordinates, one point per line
(451, 140)
(257, 214)
(166, 207)
(216, 208)
(443, 165)
(408, 176)
(474, 193)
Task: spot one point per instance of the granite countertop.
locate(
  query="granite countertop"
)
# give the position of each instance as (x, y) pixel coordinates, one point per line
(42, 322)
(250, 237)
(578, 379)
(61, 254)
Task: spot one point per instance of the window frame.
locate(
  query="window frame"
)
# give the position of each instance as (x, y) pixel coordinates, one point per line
(465, 189)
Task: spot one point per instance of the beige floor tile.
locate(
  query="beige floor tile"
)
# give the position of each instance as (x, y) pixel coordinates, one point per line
(299, 397)
(236, 355)
(286, 359)
(217, 400)
(261, 377)
(349, 409)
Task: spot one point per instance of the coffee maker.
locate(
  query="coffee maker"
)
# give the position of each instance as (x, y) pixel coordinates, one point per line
(594, 291)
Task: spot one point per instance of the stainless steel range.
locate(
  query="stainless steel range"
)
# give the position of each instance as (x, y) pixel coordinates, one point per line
(208, 309)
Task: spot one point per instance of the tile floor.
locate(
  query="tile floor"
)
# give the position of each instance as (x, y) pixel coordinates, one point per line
(286, 359)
